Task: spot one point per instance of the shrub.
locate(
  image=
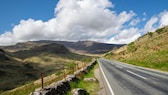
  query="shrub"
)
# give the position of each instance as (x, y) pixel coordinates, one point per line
(159, 30)
(150, 34)
(131, 47)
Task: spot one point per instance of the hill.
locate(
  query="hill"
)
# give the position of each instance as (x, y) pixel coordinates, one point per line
(89, 47)
(150, 50)
(3, 55)
(24, 65)
(13, 72)
(39, 49)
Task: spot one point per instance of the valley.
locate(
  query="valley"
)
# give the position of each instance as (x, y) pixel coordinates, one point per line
(25, 66)
(22, 64)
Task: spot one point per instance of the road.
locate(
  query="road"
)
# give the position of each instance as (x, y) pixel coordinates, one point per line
(125, 79)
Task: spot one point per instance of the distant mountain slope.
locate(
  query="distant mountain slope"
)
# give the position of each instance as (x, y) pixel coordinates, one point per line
(21, 46)
(80, 46)
(90, 47)
(37, 50)
(150, 50)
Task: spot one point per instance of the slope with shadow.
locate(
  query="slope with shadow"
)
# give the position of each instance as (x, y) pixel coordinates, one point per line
(22, 46)
(3, 55)
(150, 50)
(91, 47)
(13, 72)
(37, 50)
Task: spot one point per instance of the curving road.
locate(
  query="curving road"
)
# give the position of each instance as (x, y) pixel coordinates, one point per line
(125, 79)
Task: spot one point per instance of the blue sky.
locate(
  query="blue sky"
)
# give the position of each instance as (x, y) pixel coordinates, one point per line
(12, 11)
(145, 15)
(150, 7)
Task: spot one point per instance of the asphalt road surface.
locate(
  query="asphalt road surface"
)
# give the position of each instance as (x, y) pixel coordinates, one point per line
(125, 79)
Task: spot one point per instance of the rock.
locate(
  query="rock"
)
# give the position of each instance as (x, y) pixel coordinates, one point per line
(79, 91)
(89, 80)
(38, 89)
(77, 72)
(35, 93)
(70, 77)
(40, 93)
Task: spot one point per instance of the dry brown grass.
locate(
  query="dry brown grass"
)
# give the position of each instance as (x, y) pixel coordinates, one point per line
(150, 51)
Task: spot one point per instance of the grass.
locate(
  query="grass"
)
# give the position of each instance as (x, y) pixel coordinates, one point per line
(131, 47)
(30, 87)
(149, 51)
(157, 60)
(91, 87)
(32, 67)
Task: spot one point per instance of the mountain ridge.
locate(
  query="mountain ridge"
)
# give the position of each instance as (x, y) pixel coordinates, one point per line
(90, 47)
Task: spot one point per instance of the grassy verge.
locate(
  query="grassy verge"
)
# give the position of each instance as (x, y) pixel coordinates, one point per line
(91, 87)
(157, 60)
(30, 87)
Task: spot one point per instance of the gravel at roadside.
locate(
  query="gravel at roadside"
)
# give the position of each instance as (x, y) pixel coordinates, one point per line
(98, 75)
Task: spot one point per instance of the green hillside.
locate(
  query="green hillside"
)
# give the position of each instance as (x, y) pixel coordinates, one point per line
(150, 50)
(25, 66)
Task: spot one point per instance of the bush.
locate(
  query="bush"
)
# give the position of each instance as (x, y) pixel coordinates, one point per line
(131, 47)
(150, 34)
(159, 30)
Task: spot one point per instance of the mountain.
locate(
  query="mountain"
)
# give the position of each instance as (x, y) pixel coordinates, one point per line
(150, 50)
(89, 47)
(21, 46)
(40, 49)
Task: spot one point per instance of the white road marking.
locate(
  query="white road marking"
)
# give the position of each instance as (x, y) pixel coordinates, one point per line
(136, 74)
(119, 66)
(108, 84)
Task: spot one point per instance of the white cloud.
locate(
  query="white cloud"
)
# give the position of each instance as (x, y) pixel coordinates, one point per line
(134, 22)
(163, 18)
(149, 27)
(7, 38)
(83, 20)
(156, 22)
(74, 20)
(125, 36)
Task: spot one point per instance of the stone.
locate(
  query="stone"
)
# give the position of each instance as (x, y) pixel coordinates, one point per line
(89, 80)
(70, 77)
(79, 91)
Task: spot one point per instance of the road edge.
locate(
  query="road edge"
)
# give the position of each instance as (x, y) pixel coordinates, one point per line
(108, 84)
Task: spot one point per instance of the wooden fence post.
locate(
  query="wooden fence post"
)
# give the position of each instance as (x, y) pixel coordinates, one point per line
(42, 81)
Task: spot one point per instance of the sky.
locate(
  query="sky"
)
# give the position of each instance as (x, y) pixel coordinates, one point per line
(107, 21)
